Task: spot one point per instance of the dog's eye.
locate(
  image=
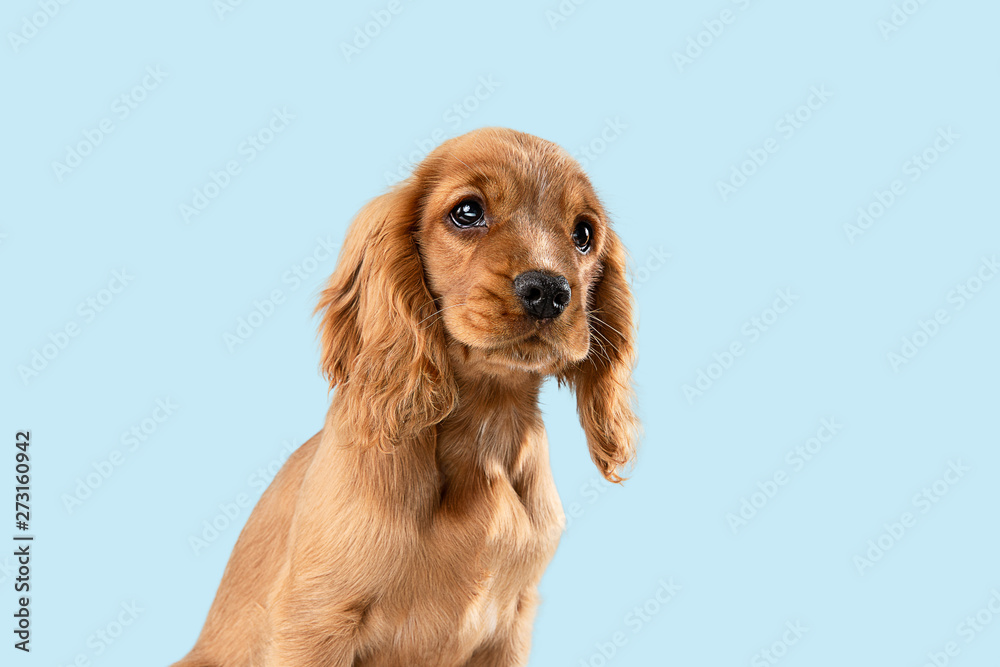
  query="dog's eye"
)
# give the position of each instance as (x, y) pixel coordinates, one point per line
(582, 235)
(467, 214)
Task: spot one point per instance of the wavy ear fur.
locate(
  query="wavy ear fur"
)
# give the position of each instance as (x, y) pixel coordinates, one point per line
(380, 344)
(603, 380)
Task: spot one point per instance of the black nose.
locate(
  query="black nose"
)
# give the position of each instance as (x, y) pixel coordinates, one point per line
(542, 295)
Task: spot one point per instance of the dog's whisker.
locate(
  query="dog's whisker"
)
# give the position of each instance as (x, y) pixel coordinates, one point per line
(599, 350)
(439, 311)
(608, 341)
(613, 346)
(593, 363)
(610, 344)
(606, 324)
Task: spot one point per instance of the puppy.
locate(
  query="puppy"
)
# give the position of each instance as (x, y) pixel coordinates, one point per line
(413, 529)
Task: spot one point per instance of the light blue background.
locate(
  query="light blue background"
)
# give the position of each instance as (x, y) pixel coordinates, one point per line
(685, 129)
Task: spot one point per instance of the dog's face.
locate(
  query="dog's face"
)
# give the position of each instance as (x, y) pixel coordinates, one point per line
(510, 236)
(494, 258)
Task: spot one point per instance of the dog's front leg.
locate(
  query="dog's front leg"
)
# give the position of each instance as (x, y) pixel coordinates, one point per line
(297, 654)
(306, 634)
(511, 645)
(308, 648)
(509, 654)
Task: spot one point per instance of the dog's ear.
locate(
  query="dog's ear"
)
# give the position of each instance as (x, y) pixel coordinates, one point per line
(603, 380)
(381, 345)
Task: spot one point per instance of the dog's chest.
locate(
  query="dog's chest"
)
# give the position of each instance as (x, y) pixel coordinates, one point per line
(476, 568)
(499, 539)
(491, 554)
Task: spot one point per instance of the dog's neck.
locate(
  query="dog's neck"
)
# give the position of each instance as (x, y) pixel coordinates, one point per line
(490, 431)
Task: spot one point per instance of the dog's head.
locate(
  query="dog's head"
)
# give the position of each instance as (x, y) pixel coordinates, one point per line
(495, 257)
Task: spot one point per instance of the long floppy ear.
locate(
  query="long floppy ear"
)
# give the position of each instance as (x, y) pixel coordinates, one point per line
(603, 380)
(380, 343)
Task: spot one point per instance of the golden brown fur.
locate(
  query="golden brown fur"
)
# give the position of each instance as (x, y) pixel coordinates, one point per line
(414, 527)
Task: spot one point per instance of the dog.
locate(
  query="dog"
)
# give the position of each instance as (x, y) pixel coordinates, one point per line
(413, 529)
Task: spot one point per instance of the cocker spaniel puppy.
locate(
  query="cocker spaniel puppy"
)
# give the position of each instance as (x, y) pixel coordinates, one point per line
(414, 527)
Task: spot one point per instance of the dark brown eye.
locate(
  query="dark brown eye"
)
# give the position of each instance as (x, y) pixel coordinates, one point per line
(467, 214)
(582, 236)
